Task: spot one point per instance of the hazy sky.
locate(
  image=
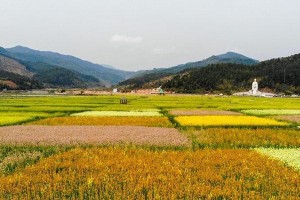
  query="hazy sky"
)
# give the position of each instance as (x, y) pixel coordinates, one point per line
(142, 34)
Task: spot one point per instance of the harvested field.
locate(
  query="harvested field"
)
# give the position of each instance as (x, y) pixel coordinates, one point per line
(291, 118)
(69, 135)
(244, 138)
(104, 121)
(203, 112)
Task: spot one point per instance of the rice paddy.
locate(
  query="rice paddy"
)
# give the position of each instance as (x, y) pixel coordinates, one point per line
(113, 173)
(272, 112)
(154, 147)
(227, 121)
(290, 157)
(117, 113)
(105, 121)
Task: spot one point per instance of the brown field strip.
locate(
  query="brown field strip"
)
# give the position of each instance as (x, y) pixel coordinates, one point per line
(52, 135)
(203, 112)
(291, 118)
(104, 121)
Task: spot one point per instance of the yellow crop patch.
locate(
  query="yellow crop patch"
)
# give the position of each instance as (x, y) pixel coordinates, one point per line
(227, 121)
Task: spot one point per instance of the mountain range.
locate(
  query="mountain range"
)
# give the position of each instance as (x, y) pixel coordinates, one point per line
(150, 78)
(25, 68)
(39, 61)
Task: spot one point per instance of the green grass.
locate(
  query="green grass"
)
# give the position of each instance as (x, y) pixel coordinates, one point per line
(66, 105)
(271, 112)
(13, 158)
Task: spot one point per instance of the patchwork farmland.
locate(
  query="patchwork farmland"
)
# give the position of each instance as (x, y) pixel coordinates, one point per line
(153, 147)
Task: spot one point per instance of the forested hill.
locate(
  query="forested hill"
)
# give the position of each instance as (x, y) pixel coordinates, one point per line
(105, 75)
(277, 75)
(151, 76)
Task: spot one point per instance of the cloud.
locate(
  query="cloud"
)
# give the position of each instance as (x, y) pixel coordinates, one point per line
(163, 51)
(125, 39)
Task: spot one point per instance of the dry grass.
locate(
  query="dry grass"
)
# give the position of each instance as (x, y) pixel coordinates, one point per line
(104, 121)
(113, 173)
(291, 118)
(52, 135)
(245, 138)
(203, 112)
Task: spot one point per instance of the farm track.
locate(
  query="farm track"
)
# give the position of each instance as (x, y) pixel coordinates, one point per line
(72, 135)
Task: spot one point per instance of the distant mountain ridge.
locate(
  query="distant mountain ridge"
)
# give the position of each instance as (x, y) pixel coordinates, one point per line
(107, 76)
(147, 76)
(18, 74)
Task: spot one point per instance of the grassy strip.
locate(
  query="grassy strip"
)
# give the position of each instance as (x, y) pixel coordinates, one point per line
(171, 118)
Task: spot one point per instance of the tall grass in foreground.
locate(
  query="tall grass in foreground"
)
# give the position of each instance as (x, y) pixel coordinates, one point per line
(114, 173)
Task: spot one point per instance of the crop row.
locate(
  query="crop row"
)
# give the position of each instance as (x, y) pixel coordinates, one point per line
(7, 118)
(104, 121)
(117, 113)
(244, 138)
(271, 112)
(114, 173)
(74, 135)
(227, 121)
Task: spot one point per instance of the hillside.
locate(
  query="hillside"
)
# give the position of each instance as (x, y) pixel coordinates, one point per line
(14, 81)
(10, 65)
(17, 74)
(148, 77)
(277, 75)
(106, 75)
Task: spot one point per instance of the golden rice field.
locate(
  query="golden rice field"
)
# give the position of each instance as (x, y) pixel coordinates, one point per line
(114, 173)
(117, 113)
(244, 138)
(227, 121)
(105, 121)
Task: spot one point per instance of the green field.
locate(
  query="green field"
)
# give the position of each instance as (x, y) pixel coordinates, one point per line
(93, 147)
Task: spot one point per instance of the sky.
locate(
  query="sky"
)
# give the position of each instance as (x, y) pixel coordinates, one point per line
(145, 34)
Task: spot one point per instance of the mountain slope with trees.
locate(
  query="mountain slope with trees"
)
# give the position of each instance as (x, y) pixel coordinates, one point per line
(276, 75)
(16, 74)
(106, 75)
(148, 76)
